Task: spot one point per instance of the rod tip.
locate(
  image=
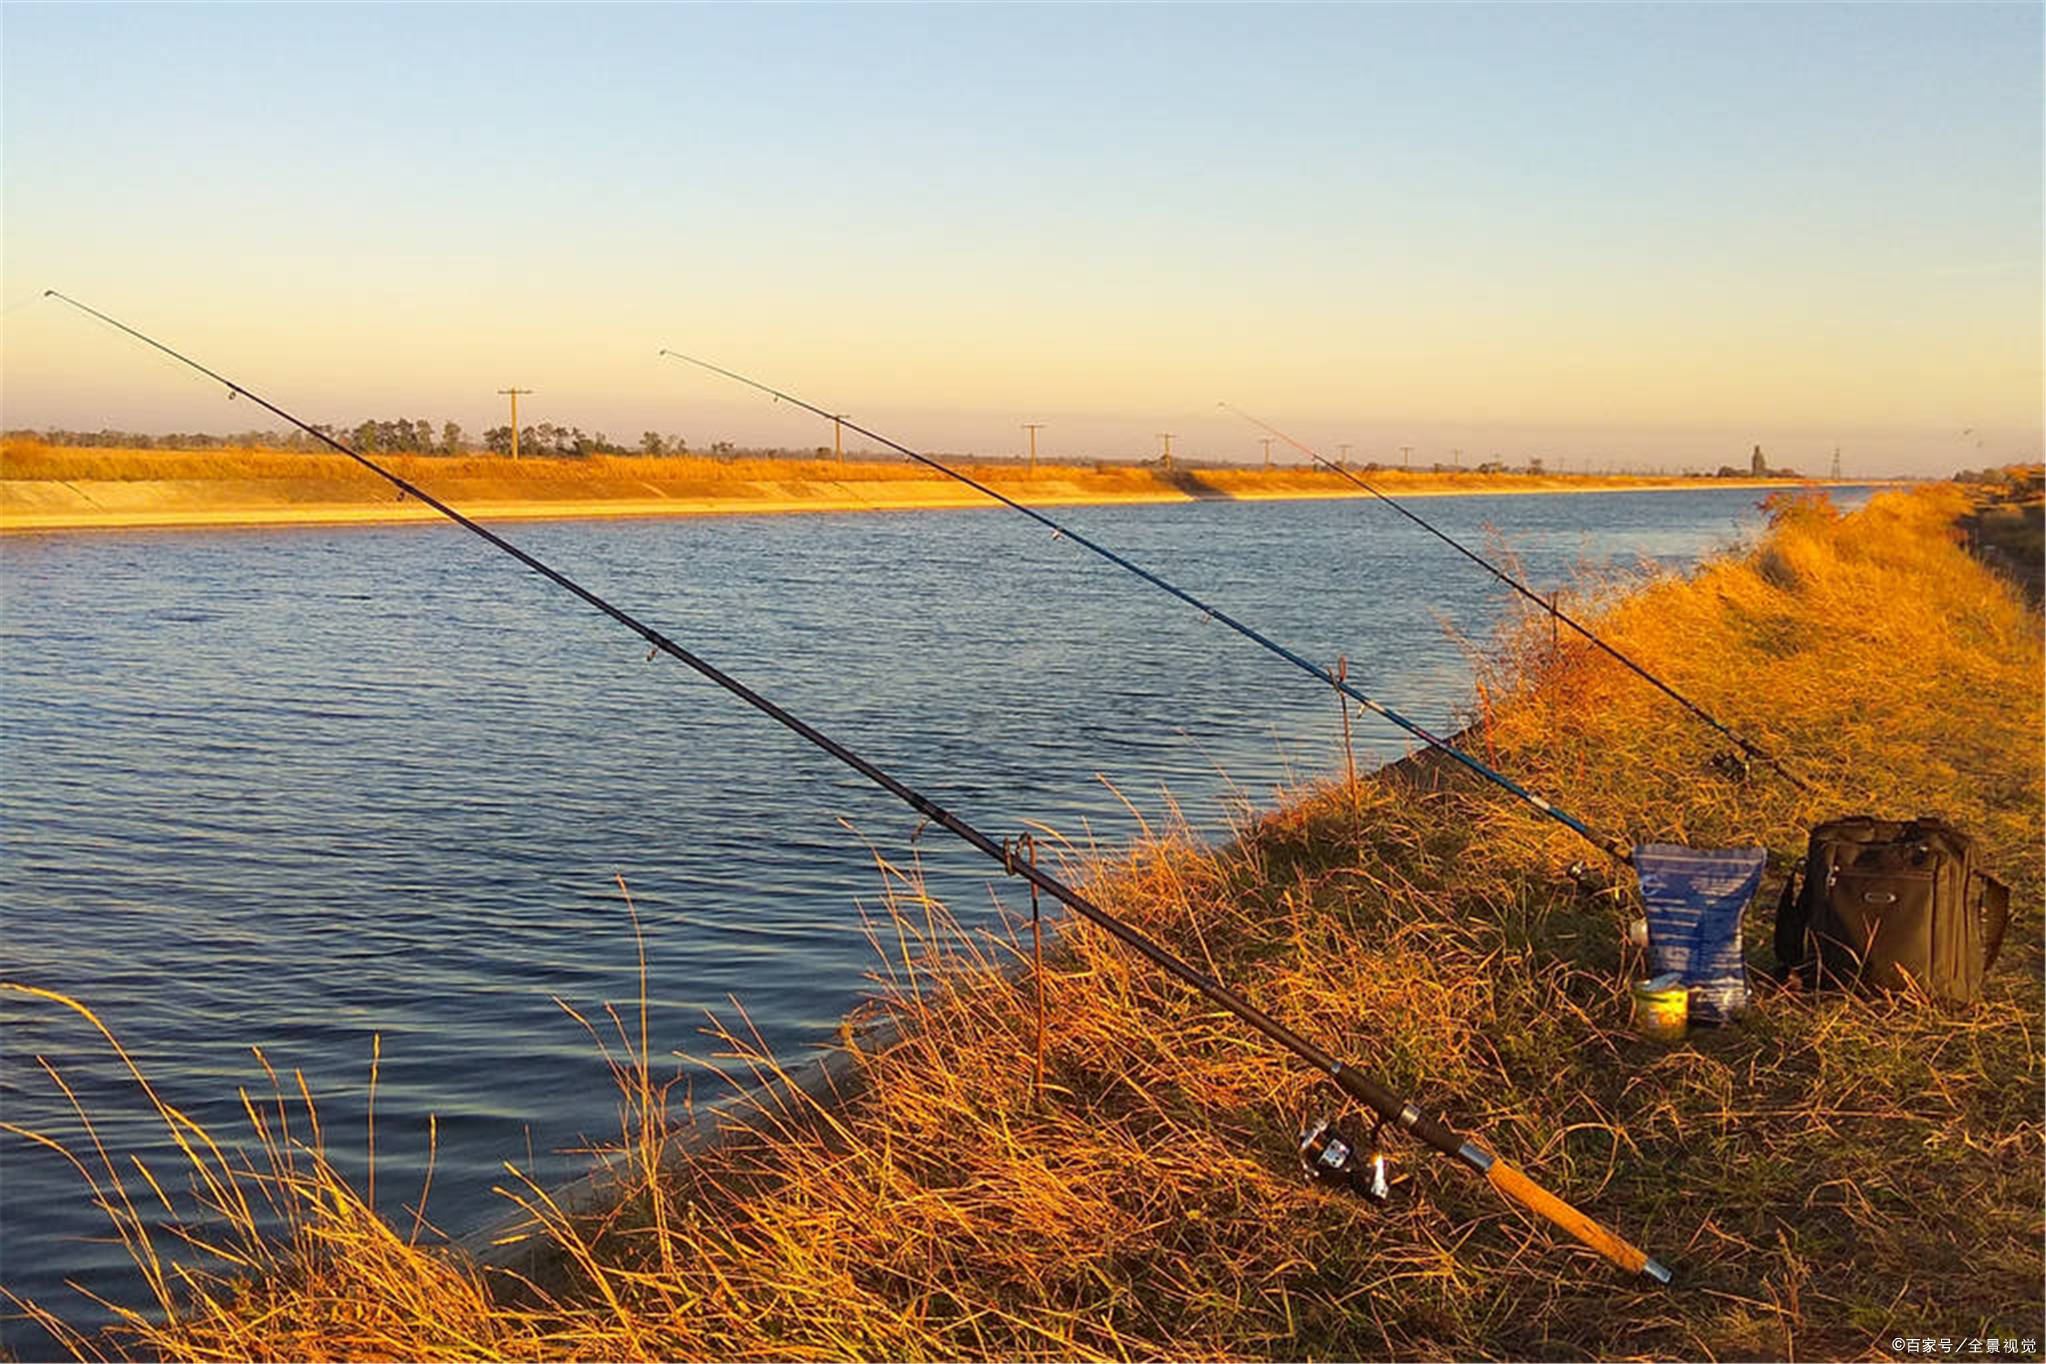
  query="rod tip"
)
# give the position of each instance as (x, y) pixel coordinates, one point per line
(1656, 1270)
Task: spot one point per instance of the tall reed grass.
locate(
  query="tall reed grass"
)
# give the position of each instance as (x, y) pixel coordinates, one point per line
(1829, 1174)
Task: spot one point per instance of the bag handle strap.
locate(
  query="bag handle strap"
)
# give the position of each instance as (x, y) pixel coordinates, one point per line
(1791, 921)
(1993, 905)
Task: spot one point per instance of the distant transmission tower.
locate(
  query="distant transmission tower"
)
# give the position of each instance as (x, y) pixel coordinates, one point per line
(1836, 464)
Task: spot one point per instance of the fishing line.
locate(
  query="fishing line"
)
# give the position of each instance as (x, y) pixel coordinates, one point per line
(1612, 847)
(1753, 750)
(1391, 1108)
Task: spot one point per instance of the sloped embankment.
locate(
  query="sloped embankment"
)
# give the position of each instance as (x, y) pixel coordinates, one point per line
(1826, 1176)
(46, 487)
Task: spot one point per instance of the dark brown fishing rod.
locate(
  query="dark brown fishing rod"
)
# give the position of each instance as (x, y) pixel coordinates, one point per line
(1746, 746)
(1605, 843)
(1389, 1106)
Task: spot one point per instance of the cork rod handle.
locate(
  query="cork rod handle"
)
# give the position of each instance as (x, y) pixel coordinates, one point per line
(1542, 1203)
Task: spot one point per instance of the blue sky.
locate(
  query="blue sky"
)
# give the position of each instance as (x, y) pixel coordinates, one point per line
(1657, 234)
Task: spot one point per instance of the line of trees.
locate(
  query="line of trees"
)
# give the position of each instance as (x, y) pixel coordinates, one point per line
(176, 440)
(399, 436)
(417, 436)
(569, 442)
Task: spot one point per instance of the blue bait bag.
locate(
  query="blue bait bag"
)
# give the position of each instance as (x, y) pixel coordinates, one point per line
(1695, 898)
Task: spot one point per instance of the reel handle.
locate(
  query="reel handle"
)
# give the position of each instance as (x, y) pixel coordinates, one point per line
(1432, 1131)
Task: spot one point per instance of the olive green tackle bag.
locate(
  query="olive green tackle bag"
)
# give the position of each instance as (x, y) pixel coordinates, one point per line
(1890, 905)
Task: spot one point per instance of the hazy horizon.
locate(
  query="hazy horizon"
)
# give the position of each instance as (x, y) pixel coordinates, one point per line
(1607, 234)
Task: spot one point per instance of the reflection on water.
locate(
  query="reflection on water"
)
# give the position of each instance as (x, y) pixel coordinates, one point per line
(291, 788)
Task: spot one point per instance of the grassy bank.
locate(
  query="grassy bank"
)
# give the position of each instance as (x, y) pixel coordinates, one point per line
(2008, 530)
(45, 487)
(1825, 1176)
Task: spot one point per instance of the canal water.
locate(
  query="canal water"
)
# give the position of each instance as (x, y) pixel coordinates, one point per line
(291, 789)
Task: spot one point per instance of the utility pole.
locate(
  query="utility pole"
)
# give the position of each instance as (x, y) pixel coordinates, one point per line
(838, 435)
(1033, 428)
(1267, 442)
(1836, 464)
(1405, 452)
(1342, 456)
(1166, 436)
(514, 395)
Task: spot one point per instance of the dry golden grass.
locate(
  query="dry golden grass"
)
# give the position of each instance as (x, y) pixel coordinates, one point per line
(681, 474)
(257, 477)
(1827, 1174)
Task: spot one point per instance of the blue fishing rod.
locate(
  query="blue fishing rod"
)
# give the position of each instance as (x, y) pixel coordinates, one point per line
(1393, 1110)
(1610, 846)
(1753, 750)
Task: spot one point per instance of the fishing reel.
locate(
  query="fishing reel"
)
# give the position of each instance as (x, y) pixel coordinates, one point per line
(1328, 1158)
(1593, 882)
(1732, 765)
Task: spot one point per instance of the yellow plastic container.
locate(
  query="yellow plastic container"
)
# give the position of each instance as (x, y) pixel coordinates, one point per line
(1662, 1008)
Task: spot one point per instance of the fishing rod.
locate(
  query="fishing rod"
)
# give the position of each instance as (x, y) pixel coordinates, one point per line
(1606, 844)
(1391, 1108)
(1748, 747)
